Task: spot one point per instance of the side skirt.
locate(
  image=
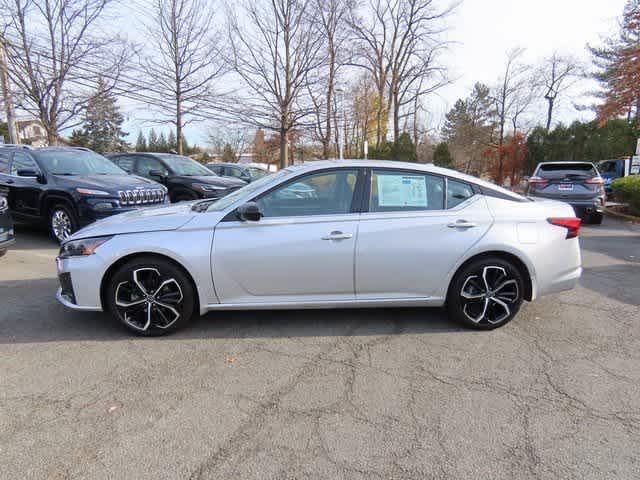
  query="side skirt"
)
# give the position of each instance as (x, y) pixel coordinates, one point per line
(368, 303)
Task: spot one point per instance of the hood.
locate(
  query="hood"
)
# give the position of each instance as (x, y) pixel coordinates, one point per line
(111, 183)
(155, 219)
(214, 180)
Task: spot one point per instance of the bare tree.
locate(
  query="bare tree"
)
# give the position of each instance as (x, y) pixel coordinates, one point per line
(183, 61)
(276, 53)
(399, 41)
(331, 16)
(508, 98)
(557, 74)
(56, 54)
(238, 139)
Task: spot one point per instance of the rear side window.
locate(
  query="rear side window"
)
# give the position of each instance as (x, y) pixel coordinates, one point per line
(125, 162)
(457, 192)
(401, 191)
(4, 162)
(560, 170)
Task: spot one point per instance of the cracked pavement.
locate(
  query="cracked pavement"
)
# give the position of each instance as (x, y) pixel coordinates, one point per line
(344, 394)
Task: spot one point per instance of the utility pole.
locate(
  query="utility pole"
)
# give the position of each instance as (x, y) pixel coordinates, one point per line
(6, 93)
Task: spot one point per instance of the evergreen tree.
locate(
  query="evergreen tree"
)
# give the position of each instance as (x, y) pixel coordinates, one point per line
(78, 138)
(442, 156)
(162, 143)
(153, 141)
(103, 121)
(403, 148)
(172, 143)
(141, 143)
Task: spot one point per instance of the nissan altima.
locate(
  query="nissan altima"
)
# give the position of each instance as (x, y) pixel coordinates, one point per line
(364, 234)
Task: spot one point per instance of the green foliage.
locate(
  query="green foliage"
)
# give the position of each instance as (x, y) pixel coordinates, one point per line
(141, 143)
(627, 189)
(152, 145)
(442, 156)
(382, 152)
(4, 131)
(79, 138)
(581, 141)
(103, 122)
(403, 148)
(172, 143)
(162, 143)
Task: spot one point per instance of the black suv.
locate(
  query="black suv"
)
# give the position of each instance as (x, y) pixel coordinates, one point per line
(6, 226)
(185, 178)
(68, 188)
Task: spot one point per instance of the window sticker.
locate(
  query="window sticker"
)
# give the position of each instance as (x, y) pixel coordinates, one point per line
(402, 190)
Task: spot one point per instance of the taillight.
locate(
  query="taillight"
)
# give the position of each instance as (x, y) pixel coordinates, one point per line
(538, 181)
(595, 181)
(572, 224)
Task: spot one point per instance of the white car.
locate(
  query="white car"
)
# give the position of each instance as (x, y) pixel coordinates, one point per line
(372, 234)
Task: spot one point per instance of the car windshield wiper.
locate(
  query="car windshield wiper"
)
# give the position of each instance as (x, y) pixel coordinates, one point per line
(203, 205)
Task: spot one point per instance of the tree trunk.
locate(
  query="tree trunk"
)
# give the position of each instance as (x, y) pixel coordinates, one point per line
(396, 117)
(284, 148)
(549, 112)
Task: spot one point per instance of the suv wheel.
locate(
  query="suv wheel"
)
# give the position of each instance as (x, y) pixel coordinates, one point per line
(151, 296)
(62, 222)
(486, 294)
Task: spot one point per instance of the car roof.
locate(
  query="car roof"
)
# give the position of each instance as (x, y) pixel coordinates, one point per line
(568, 162)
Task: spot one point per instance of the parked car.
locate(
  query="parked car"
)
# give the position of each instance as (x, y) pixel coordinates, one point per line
(6, 225)
(374, 234)
(67, 188)
(245, 172)
(185, 178)
(577, 183)
(618, 168)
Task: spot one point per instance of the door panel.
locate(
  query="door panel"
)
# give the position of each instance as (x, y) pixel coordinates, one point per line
(409, 254)
(285, 259)
(26, 190)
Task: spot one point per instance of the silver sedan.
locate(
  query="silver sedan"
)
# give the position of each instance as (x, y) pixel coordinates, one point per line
(364, 234)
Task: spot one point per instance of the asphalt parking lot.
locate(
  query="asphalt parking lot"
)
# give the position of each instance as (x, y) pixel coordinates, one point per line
(353, 394)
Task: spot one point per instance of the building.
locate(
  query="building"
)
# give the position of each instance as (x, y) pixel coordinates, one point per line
(31, 132)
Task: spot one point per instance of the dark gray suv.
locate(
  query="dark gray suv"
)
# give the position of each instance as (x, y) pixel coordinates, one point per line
(577, 183)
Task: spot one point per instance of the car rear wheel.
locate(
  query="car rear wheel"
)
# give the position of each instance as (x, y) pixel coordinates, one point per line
(485, 294)
(594, 218)
(63, 222)
(151, 296)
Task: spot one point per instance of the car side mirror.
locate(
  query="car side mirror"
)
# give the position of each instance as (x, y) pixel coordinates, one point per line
(157, 173)
(249, 212)
(526, 178)
(27, 172)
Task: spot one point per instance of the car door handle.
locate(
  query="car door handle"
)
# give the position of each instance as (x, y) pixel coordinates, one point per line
(462, 224)
(8, 180)
(337, 235)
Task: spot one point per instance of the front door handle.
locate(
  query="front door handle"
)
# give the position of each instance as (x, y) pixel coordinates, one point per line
(338, 235)
(462, 224)
(8, 180)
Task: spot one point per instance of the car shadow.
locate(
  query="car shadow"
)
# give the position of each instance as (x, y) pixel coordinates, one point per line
(619, 282)
(41, 319)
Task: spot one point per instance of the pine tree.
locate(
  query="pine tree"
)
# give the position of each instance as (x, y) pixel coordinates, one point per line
(442, 156)
(78, 138)
(403, 148)
(103, 121)
(153, 141)
(141, 143)
(162, 143)
(172, 143)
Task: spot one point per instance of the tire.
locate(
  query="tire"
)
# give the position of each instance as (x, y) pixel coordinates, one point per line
(136, 297)
(594, 219)
(475, 308)
(63, 221)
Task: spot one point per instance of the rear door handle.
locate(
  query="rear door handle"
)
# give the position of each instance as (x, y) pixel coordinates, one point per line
(462, 224)
(338, 235)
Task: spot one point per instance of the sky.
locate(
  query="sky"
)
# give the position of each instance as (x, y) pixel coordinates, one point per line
(482, 32)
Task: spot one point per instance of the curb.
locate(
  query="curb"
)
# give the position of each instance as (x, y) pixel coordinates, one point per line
(625, 216)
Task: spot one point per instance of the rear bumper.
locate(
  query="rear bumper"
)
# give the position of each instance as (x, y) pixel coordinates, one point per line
(580, 207)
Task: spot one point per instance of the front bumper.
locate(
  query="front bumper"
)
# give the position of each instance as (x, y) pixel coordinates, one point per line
(80, 279)
(6, 239)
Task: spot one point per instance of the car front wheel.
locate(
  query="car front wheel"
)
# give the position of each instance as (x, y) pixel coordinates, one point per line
(485, 294)
(151, 296)
(62, 222)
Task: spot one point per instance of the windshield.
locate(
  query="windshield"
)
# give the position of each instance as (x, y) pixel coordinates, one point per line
(224, 202)
(561, 170)
(77, 162)
(257, 172)
(185, 166)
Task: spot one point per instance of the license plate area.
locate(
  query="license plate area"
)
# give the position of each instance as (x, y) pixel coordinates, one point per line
(565, 187)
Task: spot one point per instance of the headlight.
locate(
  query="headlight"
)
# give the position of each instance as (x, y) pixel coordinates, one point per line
(4, 204)
(88, 191)
(82, 248)
(204, 187)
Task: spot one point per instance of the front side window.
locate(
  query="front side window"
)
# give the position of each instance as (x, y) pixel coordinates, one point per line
(144, 165)
(77, 162)
(125, 162)
(457, 192)
(22, 161)
(233, 172)
(326, 193)
(185, 166)
(399, 191)
(4, 162)
(256, 173)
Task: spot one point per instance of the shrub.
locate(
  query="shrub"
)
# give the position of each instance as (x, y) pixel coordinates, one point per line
(627, 189)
